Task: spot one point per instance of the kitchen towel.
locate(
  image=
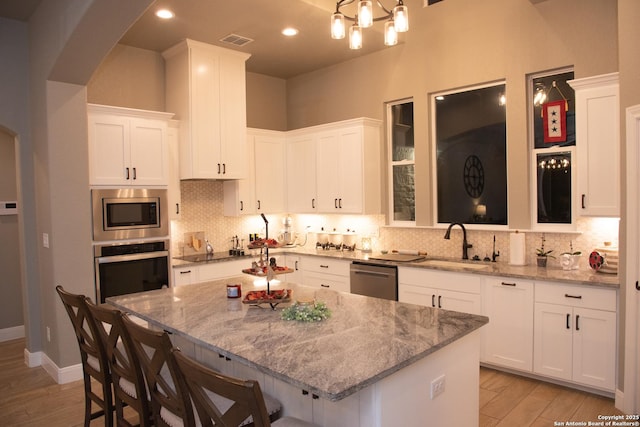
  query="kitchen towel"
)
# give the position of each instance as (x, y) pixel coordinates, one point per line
(517, 254)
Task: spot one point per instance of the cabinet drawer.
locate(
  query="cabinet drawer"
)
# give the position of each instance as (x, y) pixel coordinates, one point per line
(440, 279)
(222, 270)
(329, 281)
(185, 276)
(576, 296)
(327, 266)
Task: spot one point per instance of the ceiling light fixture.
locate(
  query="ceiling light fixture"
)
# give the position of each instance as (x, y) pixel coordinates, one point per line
(164, 14)
(397, 21)
(290, 31)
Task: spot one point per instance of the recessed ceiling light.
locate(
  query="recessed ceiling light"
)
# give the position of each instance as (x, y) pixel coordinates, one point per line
(164, 14)
(290, 31)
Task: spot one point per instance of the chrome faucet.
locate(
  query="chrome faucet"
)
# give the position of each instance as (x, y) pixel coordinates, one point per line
(465, 245)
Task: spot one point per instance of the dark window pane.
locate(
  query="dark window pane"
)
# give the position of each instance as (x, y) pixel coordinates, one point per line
(554, 187)
(402, 137)
(471, 157)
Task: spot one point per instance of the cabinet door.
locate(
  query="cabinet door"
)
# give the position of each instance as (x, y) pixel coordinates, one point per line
(269, 174)
(594, 347)
(204, 93)
(240, 194)
(233, 117)
(149, 152)
(509, 335)
(459, 301)
(419, 295)
(552, 340)
(350, 172)
(598, 142)
(294, 262)
(301, 175)
(328, 169)
(174, 195)
(109, 149)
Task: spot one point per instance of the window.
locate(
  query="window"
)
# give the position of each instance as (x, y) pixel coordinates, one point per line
(552, 105)
(402, 161)
(471, 162)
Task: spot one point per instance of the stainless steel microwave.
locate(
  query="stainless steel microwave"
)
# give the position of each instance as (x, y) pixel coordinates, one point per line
(129, 213)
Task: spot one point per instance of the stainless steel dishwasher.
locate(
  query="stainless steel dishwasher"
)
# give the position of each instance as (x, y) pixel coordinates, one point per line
(374, 280)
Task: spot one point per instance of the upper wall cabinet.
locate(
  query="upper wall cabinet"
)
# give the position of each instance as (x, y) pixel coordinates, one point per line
(127, 147)
(346, 178)
(205, 87)
(598, 144)
(262, 191)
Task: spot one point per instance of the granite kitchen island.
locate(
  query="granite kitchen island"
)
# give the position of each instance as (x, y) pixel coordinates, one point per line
(372, 363)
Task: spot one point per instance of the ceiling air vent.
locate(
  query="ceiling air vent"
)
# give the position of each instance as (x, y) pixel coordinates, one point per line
(236, 40)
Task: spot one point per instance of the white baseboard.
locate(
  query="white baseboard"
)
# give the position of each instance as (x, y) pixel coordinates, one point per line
(8, 334)
(619, 402)
(61, 375)
(32, 359)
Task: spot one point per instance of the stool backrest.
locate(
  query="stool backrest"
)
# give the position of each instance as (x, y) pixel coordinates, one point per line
(203, 383)
(167, 392)
(125, 367)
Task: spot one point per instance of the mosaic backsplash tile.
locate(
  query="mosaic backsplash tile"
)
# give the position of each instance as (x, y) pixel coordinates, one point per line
(202, 210)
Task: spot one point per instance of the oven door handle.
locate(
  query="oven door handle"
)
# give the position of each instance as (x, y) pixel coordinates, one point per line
(370, 273)
(131, 257)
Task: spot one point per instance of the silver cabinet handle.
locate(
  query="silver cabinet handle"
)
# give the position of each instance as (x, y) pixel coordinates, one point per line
(508, 284)
(127, 173)
(573, 296)
(135, 174)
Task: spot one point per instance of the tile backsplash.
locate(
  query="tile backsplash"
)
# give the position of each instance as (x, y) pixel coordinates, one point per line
(202, 210)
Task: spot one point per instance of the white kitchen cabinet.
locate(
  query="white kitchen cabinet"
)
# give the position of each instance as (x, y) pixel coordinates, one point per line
(185, 275)
(327, 273)
(294, 262)
(508, 338)
(205, 87)
(598, 144)
(263, 190)
(348, 167)
(440, 289)
(269, 172)
(575, 334)
(127, 147)
(174, 194)
(301, 173)
(206, 272)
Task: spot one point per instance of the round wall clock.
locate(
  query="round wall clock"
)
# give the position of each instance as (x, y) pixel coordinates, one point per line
(473, 176)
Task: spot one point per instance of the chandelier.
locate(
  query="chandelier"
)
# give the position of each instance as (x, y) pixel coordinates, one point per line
(397, 21)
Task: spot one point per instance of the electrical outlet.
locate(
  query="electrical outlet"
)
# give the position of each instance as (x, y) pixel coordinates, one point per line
(437, 386)
(45, 240)
(48, 334)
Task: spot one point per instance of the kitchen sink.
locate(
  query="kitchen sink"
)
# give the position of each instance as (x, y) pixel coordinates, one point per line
(454, 264)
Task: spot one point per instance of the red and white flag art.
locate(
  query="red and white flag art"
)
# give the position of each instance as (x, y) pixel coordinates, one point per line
(554, 121)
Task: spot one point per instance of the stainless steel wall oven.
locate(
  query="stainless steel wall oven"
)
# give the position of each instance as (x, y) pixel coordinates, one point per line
(128, 268)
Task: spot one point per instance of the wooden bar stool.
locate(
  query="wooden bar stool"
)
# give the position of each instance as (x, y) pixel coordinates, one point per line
(95, 363)
(153, 350)
(226, 401)
(129, 387)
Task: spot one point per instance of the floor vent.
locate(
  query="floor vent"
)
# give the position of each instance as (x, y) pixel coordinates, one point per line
(236, 40)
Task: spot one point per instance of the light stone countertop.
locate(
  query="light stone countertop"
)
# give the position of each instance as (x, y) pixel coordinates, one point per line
(364, 340)
(583, 276)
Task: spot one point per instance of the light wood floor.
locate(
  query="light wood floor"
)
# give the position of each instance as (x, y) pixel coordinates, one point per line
(30, 397)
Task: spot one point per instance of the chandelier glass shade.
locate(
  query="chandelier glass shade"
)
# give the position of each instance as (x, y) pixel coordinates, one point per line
(397, 21)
